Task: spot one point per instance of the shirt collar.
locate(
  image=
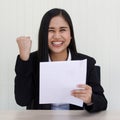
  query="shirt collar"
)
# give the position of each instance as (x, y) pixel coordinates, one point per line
(68, 59)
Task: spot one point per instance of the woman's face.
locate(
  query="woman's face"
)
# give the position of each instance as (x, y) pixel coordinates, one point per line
(58, 35)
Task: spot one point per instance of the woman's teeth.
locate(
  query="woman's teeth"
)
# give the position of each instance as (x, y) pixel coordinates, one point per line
(57, 43)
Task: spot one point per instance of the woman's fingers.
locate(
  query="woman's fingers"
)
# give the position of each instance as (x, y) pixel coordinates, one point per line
(83, 92)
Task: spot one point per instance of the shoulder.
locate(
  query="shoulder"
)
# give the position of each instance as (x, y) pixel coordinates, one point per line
(91, 62)
(80, 56)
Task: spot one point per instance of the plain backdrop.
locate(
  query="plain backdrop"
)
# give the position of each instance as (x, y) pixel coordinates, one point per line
(97, 33)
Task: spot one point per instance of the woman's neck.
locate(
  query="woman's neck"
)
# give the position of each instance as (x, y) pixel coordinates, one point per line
(59, 56)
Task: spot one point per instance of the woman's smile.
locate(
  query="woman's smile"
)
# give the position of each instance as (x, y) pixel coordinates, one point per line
(57, 43)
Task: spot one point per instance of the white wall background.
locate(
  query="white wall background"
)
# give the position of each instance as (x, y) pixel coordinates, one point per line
(97, 30)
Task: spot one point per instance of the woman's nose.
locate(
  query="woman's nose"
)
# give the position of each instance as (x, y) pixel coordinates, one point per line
(56, 35)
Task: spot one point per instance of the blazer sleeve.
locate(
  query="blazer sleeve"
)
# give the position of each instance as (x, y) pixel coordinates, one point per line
(23, 81)
(98, 98)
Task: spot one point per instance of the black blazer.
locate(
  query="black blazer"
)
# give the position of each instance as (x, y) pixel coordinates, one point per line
(27, 84)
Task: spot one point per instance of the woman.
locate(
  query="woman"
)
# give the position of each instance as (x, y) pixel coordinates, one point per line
(56, 43)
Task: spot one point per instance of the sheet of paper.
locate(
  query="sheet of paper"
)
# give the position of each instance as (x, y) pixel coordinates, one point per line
(58, 79)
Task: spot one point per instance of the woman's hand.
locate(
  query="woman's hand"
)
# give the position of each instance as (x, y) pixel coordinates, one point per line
(24, 44)
(84, 92)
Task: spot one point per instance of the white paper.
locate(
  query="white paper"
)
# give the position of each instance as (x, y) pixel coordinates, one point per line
(58, 79)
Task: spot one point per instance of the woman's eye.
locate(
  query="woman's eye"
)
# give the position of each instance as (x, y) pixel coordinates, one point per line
(62, 30)
(50, 30)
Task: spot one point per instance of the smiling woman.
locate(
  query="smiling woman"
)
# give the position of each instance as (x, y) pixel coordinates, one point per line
(56, 43)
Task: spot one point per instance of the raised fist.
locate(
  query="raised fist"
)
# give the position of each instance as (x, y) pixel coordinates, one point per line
(24, 44)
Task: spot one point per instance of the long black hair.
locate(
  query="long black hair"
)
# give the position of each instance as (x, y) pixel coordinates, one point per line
(43, 50)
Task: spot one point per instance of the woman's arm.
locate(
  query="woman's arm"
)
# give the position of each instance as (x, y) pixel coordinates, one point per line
(98, 98)
(23, 81)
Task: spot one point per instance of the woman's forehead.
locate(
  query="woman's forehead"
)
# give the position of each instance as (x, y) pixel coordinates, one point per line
(58, 21)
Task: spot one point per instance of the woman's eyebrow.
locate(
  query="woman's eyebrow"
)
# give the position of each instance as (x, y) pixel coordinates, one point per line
(63, 27)
(51, 28)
